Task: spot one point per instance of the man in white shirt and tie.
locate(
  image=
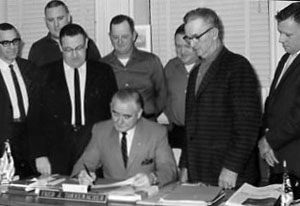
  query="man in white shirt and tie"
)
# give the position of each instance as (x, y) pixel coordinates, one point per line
(75, 94)
(128, 146)
(281, 120)
(17, 91)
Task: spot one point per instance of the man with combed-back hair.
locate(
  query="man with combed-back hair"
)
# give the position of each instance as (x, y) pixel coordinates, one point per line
(281, 119)
(128, 145)
(223, 109)
(76, 94)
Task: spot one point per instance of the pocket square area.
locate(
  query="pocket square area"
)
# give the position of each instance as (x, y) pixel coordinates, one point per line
(147, 161)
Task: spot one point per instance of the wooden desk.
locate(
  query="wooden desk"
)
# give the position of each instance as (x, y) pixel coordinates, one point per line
(33, 200)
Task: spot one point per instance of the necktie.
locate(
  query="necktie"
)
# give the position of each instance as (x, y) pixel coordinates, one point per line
(285, 67)
(18, 92)
(77, 98)
(124, 148)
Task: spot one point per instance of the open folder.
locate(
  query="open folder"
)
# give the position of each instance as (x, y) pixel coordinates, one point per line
(192, 194)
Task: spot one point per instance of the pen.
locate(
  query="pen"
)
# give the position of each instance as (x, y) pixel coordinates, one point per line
(87, 170)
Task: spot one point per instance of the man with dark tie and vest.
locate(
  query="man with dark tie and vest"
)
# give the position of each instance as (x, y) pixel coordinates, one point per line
(76, 94)
(17, 93)
(281, 120)
(127, 146)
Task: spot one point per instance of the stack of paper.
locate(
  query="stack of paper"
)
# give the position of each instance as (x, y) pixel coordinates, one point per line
(190, 194)
(123, 190)
(250, 195)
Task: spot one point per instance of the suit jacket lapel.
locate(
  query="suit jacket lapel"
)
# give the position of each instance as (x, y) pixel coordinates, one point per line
(89, 85)
(289, 71)
(137, 143)
(211, 72)
(59, 88)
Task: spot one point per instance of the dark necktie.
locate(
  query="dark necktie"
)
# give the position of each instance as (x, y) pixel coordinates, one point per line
(124, 148)
(77, 98)
(18, 92)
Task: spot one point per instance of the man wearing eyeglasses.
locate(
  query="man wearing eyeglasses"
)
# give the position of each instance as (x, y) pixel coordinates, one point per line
(223, 109)
(76, 94)
(17, 92)
(46, 49)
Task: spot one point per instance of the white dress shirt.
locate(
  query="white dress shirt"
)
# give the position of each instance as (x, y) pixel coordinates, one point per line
(8, 80)
(69, 74)
(288, 62)
(129, 139)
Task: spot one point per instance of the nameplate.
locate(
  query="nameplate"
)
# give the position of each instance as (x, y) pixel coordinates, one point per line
(73, 196)
(75, 188)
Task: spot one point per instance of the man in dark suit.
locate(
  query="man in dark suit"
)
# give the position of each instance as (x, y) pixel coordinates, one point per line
(281, 128)
(128, 145)
(75, 95)
(17, 91)
(223, 109)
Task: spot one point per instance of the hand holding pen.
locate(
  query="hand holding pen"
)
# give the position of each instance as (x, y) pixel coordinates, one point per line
(86, 177)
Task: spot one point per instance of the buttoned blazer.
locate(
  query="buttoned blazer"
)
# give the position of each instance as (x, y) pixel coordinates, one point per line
(223, 120)
(57, 139)
(282, 116)
(150, 152)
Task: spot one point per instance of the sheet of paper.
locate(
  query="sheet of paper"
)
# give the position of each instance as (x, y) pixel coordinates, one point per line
(115, 184)
(248, 193)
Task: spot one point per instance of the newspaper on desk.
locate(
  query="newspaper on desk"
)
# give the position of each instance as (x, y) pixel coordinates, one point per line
(124, 191)
(251, 195)
(192, 195)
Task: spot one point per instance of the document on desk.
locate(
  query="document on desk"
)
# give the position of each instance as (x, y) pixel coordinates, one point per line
(192, 194)
(251, 195)
(114, 184)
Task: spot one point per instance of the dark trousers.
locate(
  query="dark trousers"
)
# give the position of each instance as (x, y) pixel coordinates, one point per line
(24, 165)
(176, 136)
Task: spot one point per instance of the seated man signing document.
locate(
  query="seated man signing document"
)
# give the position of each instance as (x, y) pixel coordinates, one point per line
(128, 146)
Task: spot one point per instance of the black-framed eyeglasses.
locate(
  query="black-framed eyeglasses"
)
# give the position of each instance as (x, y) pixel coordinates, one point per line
(189, 39)
(69, 50)
(7, 43)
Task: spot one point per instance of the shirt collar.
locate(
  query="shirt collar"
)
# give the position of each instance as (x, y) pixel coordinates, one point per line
(4, 65)
(213, 56)
(67, 67)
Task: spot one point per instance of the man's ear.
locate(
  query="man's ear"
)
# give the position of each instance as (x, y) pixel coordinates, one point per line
(70, 18)
(140, 113)
(86, 42)
(135, 36)
(215, 33)
(60, 46)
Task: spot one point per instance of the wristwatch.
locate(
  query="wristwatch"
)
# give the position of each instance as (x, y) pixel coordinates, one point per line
(153, 178)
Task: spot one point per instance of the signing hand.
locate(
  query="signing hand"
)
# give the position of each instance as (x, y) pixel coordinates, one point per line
(141, 180)
(266, 152)
(43, 165)
(86, 179)
(227, 179)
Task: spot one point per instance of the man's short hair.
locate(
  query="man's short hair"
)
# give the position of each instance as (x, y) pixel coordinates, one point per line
(56, 3)
(129, 94)
(180, 30)
(121, 18)
(209, 16)
(8, 26)
(291, 11)
(71, 30)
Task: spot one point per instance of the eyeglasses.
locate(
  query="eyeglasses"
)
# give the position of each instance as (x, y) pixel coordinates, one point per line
(189, 39)
(69, 50)
(14, 42)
